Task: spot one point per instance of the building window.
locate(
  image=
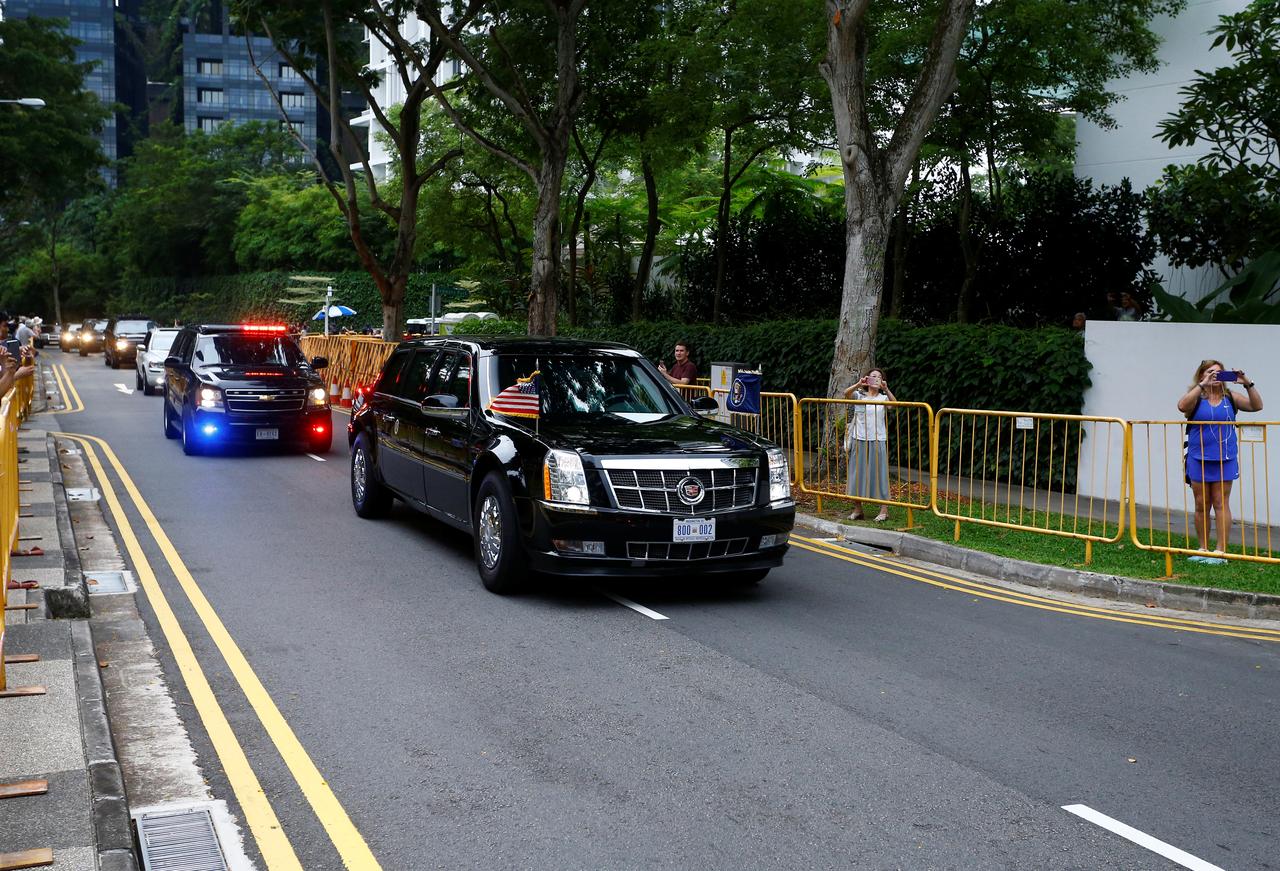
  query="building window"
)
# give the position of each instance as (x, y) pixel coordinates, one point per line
(297, 127)
(209, 67)
(289, 74)
(211, 96)
(291, 101)
(456, 67)
(209, 125)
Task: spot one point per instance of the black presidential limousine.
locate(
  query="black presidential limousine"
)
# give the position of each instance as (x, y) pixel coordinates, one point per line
(570, 458)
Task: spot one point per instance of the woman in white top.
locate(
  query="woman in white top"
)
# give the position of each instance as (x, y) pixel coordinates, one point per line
(866, 440)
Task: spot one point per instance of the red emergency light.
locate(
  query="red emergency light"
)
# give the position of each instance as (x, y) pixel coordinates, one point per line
(263, 374)
(263, 328)
(318, 429)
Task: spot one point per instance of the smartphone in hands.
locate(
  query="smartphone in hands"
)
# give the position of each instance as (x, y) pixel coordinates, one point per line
(1228, 375)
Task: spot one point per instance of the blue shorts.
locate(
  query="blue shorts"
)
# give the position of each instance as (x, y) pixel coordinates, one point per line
(1208, 471)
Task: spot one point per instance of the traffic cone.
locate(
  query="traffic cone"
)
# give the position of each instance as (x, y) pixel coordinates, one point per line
(333, 393)
(346, 396)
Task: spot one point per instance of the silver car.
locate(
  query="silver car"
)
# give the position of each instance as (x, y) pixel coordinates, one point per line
(150, 362)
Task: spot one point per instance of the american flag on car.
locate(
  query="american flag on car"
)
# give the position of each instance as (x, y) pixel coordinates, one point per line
(521, 399)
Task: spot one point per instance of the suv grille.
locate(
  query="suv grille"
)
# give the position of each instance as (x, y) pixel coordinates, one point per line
(269, 399)
(666, 550)
(655, 489)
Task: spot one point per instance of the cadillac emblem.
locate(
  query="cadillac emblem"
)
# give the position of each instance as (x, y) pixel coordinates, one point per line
(690, 490)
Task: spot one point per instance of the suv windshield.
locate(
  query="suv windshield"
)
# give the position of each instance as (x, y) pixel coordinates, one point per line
(580, 387)
(236, 349)
(161, 341)
(132, 326)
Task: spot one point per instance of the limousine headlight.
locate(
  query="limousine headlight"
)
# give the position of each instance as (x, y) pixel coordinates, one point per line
(779, 476)
(563, 479)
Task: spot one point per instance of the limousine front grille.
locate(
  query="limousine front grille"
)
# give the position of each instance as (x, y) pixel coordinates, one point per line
(666, 550)
(267, 400)
(657, 489)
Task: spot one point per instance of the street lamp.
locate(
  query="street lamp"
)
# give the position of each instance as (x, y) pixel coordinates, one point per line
(30, 102)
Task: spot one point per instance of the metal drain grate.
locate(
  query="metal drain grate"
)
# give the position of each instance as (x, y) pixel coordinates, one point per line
(179, 840)
(83, 494)
(109, 582)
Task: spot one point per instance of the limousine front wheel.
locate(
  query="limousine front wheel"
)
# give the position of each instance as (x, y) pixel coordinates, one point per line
(497, 547)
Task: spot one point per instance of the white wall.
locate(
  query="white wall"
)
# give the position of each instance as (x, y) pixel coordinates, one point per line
(1139, 372)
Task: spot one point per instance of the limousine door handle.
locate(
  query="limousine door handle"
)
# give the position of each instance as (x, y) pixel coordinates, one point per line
(431, 431)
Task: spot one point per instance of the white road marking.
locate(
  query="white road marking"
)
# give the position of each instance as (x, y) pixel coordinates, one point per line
(641, 609)
(317, 459)
(125, 390)
(1155, 845)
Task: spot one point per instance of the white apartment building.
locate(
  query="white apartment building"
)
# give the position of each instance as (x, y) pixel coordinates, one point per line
(1131, 150)
(390, 90)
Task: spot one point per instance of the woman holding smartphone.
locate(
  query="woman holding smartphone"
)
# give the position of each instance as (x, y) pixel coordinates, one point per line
(866, 440)
(1212, 463)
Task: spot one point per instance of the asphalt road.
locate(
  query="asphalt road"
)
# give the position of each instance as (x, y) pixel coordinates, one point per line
(838, 716)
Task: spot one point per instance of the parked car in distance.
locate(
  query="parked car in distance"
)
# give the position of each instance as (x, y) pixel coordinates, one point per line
(240, 384)
(568, 457)
(123, 335)
(149, 365)
(70, 338)
(92, 333)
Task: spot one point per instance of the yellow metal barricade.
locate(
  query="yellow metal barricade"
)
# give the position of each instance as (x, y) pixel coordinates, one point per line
(846, 448)
(1164, 512)
(692, 391)
(1055, 474)
(10, 409)
(776, 422)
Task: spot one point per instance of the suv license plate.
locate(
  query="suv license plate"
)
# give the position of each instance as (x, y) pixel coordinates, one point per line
(268, 435)
(694, 529)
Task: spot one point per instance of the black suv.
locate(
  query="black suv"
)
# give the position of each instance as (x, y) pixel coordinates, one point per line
(122, 337)
(91, 333)
(244, 384)
(567, 457)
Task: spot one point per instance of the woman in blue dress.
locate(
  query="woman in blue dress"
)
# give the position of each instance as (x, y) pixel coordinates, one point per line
(1212, 455)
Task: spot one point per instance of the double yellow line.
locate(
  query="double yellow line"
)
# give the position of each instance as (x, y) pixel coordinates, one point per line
(274, 844)
(71, 402)
(1011, 597)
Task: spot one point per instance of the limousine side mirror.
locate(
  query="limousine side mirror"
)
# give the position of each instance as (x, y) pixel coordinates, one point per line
(172, 362)
(440, 400)
(319, 362)
(704, 403)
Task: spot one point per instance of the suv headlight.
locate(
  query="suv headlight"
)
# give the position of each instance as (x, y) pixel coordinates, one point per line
(563, 479)
(779, 476)
(316, 397)
(210, 397)
(122, 344)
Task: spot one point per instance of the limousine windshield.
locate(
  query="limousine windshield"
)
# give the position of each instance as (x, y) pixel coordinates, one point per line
(578, 387)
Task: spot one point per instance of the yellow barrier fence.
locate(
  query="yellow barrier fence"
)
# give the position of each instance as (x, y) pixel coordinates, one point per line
(354, 361)
(692, 391)
(15, 406)
(1170, 514)
(1022, 471)
(875, 452)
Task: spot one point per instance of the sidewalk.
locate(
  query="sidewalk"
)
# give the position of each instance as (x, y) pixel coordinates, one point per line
(78, 818)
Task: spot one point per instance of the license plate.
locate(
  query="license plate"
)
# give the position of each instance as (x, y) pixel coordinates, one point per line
(268, 435)
(694, 529)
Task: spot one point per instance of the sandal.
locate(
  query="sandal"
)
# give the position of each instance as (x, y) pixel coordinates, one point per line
(857, 515)
(881, 518)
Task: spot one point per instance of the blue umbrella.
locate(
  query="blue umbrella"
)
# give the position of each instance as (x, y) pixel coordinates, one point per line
(335, 311)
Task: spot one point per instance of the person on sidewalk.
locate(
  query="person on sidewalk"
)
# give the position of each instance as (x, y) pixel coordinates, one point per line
(1212, 462)
(683, 371)
(866, 441)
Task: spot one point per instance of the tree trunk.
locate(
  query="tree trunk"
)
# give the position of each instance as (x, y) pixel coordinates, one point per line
(866, 239)
(722, 226)
(645, 267)
(545, 279)
(393, 320)
(968, 246)
(898, 287)
(56, 272)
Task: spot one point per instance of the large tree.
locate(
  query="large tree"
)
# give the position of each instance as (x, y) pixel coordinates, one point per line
(876, 163)
(328, 51)
(505, 49)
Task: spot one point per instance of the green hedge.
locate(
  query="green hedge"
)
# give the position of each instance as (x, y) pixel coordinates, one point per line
(254, 294)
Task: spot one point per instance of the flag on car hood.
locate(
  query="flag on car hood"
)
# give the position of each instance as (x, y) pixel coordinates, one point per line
(521, 399)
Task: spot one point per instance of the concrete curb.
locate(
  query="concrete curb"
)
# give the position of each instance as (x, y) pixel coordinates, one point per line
(72, 600)
(1182, 597)
(112, 826)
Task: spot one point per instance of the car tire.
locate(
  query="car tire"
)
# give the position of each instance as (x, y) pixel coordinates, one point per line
(498, 553)
(170, 431)
(369, 497)
(84, 353)
(138, 383)
(190, 446)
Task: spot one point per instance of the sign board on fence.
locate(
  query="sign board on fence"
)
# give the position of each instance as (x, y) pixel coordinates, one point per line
(1024, 422)
(1251, 433)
